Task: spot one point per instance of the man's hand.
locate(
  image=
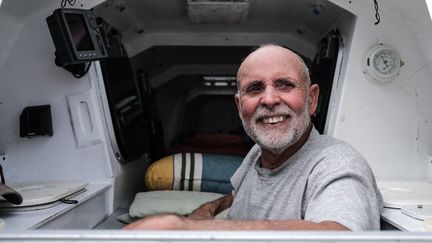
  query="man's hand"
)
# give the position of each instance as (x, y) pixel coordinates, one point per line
(158, 222)
(211, 209)
(205, 211)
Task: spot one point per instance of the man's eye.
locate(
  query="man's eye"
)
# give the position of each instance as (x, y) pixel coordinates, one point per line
(254, 89)
(284, 85)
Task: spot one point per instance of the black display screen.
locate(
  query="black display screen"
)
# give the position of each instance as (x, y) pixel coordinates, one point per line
(79, 32)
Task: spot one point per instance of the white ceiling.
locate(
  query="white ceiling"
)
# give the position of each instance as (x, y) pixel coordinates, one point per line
(135, 18)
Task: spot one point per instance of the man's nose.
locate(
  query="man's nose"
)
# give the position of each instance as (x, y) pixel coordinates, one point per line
(270, 97)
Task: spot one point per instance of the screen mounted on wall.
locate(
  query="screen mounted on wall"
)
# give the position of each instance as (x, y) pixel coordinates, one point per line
(76, 37)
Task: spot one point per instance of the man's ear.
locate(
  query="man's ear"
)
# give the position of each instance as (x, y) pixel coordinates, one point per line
(313, 98)
(237, 100)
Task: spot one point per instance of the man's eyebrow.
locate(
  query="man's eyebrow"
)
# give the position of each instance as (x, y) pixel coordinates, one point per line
(253, 83)
(288, 80)
(285, 79)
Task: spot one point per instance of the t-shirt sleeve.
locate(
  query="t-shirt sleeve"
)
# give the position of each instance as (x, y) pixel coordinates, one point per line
(342, 188)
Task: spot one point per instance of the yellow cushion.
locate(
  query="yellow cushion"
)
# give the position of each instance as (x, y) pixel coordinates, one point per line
(159, 175)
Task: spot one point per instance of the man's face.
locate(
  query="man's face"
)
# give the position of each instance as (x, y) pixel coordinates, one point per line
(274, 99)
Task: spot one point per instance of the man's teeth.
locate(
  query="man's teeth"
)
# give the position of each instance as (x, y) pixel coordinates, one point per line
(273, 120)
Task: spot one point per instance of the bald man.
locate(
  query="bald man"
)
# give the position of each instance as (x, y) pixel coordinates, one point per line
(293, 178)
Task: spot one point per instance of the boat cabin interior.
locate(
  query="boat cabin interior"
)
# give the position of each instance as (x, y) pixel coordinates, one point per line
(104, 102)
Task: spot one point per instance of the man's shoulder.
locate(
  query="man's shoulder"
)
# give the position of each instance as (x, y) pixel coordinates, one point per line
(338, 155)
(321, 147)
(333, 146)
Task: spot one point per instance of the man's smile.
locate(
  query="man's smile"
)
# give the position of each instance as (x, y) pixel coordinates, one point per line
(273, 119)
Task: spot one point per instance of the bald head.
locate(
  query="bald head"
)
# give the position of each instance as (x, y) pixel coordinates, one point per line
(275, 98)
(270, 51)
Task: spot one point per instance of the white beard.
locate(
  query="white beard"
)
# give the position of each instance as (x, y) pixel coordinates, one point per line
(273, 139)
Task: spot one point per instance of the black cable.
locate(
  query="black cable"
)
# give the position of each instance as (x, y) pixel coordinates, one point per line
(68, 201)
(2, 175)
(64, 2)
(377, 16)
(80, 75)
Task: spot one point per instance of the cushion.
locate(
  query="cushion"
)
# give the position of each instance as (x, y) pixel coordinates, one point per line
(193, 172)
(177, 202)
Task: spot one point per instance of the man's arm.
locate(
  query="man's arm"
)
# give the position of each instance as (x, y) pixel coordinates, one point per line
(211, 209)
(174, 222)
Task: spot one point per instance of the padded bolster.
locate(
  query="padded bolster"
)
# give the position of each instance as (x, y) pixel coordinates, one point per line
(193, 172)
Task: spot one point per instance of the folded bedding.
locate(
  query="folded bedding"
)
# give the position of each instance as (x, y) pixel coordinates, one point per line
(193, 172)
(163, 202)
(176, 202)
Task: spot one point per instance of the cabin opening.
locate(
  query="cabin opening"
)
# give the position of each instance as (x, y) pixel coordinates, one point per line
(184, 62)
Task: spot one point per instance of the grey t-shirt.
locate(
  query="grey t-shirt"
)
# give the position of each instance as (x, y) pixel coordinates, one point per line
(325, 180)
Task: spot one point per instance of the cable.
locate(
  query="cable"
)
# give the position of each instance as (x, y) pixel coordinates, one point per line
(77, 75)
(64, 2)
(377, 16)
(68, 201)
(2, 175)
